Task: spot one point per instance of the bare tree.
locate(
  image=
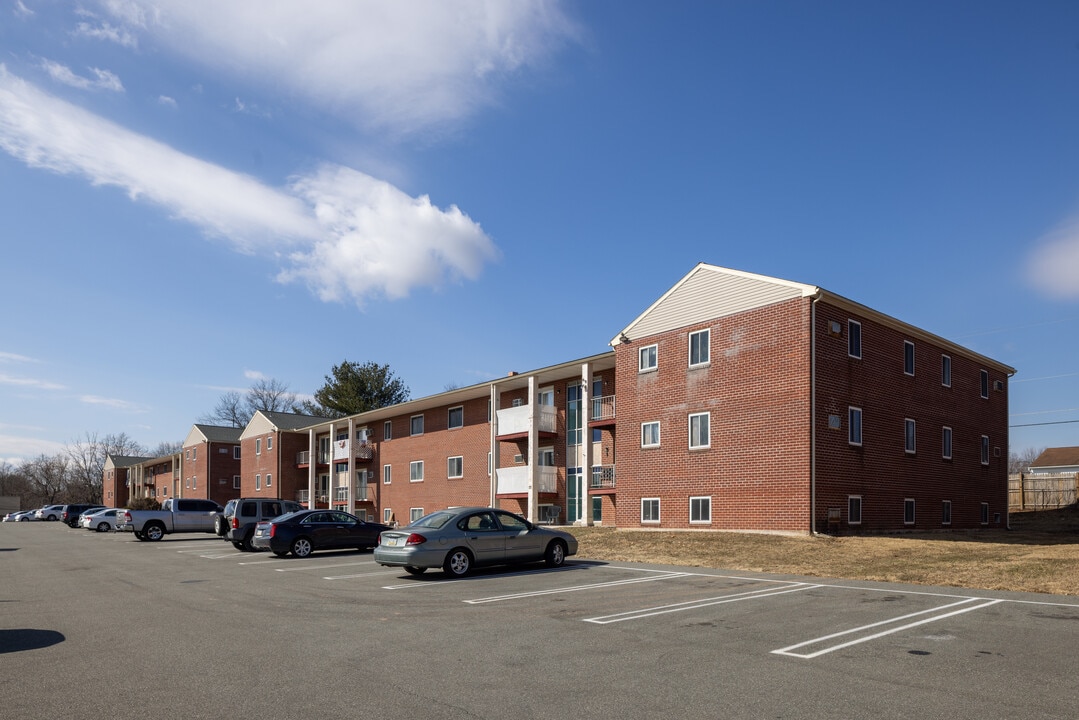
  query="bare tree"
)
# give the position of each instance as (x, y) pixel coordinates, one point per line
(13, 481)
(86, 462)
(48, 477)
(166, 448)
(269, 396)
(1019, 461)
(230, 411)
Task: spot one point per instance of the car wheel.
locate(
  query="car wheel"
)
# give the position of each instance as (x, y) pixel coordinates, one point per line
(458, 563)
(278, 553)
(246, 545)
(103, 526)
(220, 526)
(555, 555)
(154, 532)
(239, 546)
(301, 547)
(413, 570)
(139, 536)
(51, 518)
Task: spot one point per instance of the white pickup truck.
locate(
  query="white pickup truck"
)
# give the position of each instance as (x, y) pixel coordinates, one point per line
(177, 515)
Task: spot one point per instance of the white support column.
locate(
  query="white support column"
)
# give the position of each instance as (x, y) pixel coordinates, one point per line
(533, 449)
(584, 515)
(495, 398)
(351, 465)
(312, 463)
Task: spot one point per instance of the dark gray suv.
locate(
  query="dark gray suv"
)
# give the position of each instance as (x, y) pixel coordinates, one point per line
(237, 523)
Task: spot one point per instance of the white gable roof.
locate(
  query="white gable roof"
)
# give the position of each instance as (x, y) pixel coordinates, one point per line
(710, 292)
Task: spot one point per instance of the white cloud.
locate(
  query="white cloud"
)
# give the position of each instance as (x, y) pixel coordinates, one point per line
(21, 10)
(396, 66)
(1054, 266)
(29, 382)
(107, 32)
(15, 449)
(113, 403)
(254, 375)
(348, 235)
(102, 80)
(166, 101)
(382, 241)
(13, 357)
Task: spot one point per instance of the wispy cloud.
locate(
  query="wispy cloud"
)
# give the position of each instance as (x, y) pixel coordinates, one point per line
(101, 80)
(166, 101)
(21, 10)
(348, 236)
(1054, 265)
(112, 403)
(29, 383)
(398, 67)
(107, 32)
(13, 357)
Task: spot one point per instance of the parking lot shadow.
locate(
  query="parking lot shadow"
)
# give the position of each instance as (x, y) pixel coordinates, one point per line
(21, 639)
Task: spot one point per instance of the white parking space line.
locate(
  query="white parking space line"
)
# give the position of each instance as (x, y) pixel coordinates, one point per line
(695, 604)
(480, 578)
(576, 588)
(359, 575)
(325, 567)
(966, 601)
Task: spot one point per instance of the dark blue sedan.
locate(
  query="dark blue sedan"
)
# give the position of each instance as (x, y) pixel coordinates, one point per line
(305, 531)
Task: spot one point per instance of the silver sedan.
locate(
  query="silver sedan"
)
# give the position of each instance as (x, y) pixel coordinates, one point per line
(459, 539)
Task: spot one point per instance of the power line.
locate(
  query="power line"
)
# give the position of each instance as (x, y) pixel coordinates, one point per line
(1057, 422)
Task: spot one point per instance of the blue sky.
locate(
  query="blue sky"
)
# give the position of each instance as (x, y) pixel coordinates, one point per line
(196, 195)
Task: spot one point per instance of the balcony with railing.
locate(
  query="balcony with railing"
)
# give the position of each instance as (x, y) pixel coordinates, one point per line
(303, 458)
(513, 422)
(602, 411)
(514, 480)
(602, 479)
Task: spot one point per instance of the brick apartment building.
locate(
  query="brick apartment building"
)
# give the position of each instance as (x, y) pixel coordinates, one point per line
(735, 401)
(211, 464)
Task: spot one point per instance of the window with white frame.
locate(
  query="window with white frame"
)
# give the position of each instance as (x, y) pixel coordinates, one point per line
(387, 516)
(910, 436)
(854, 425)
(269, 443)
(415, 425)
(235, 452)
(700, 510)
(650, 510)
(945, 371)
(699, 347)
(415, 471)
(258, 482)
(984, 374)
(455, 467)
(648, 358)
(258, 446)
(946, 443)
(946, 512)
(985, 449)
(195, 481)
(415, 514)
(699, 432)
(854, 339)
(387, 474)
(456, 418)
(650, 434)
(908, 357)
(269, 480)
(387, 430)
(908, 511)
(236, 482)
(546, 456)
(854, 509)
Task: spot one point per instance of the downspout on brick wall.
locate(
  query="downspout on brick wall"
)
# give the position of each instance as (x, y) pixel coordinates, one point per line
(813, 412)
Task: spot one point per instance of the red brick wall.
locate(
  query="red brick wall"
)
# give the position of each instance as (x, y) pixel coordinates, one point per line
(114, 488)
(756, 388)
(880, 470)
(210, 467)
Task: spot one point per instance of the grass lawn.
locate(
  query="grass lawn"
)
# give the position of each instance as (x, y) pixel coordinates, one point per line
(1040, 553)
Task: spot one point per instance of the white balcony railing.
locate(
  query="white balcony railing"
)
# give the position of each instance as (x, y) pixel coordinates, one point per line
(602, 477)
(603, 408)
(513, 421)
(514, 480)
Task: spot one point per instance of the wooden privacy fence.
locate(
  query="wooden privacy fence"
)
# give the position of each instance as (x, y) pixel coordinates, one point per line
(1041, 492)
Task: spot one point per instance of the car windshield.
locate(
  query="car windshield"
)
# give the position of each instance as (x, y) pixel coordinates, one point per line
(287, 516)
(435, 520)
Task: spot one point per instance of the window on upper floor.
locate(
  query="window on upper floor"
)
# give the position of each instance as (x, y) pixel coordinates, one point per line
(985, 450)
(456, 418)
(650, 434)
(908, 357)
(648, 358)
(258, 446)
(910, 436)
(699, 432)
(387, 430)
(854, 425)
(455, 467)
(945, 371)
(415, 425)
(946, 443)
(699, 348)
(415, 471)
(235, 452)
(985, 383)
(269, 443)
(387, 474)
(854, 339)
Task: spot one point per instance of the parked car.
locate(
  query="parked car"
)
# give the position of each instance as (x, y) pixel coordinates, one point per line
(49, 512)
(20, 516)
(70, 514)
(305, 531)
(241, 515)
(459, 539)
(177, 515)
(101, 520)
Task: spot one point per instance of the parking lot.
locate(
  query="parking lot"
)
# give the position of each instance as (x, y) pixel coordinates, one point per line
(189, 627)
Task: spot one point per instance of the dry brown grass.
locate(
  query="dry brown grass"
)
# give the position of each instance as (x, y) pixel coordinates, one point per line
(1039, 554)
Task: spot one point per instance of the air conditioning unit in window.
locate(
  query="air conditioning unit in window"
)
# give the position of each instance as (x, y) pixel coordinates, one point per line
(834, 328)
(998, 385)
